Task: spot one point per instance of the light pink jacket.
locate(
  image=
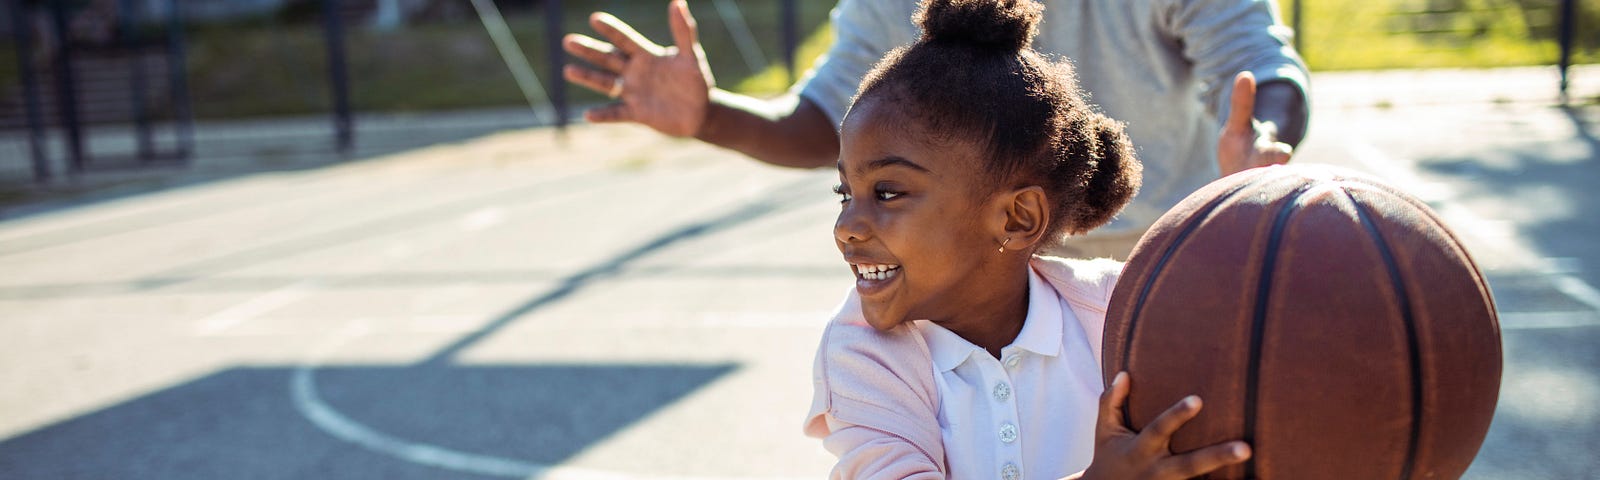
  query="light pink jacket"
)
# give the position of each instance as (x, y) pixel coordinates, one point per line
(875, 403)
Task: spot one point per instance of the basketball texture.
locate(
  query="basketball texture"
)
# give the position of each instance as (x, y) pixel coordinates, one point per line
(1328, 319)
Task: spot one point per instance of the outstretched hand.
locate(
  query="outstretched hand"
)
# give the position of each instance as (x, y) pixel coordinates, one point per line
(1122, 454)
(666, 88)
(1245, 142)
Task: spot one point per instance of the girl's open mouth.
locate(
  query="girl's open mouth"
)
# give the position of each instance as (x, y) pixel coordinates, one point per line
(871, 278)
(875, 272)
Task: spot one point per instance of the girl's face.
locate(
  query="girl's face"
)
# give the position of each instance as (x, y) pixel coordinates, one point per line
(911, 221)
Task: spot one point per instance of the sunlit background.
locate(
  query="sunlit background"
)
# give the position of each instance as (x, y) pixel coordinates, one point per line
(374, 238)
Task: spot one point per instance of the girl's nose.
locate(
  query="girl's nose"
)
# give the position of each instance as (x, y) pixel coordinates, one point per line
(850, 227)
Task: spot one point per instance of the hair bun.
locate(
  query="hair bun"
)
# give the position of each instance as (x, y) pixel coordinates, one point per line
(998, 24)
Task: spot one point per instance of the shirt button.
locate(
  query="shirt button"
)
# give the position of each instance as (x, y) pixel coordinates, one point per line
(1010, 472)
(1008, 433)
(1002, 392)
(1011, 361)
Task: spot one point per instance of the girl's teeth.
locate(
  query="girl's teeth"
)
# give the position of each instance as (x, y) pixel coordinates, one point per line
(877, 272)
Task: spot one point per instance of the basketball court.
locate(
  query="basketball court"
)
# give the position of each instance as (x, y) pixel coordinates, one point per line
(609, 303)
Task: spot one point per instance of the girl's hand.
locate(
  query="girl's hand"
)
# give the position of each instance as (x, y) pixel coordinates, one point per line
(1123, 454)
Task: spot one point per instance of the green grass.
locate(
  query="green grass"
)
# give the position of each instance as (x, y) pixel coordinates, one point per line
(1386, 34)
(1389, 34)
(775, 79)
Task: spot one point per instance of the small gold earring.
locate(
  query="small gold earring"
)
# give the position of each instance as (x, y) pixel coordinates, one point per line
(1003, 244)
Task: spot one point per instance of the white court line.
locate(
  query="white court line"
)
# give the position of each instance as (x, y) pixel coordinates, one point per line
(219, 322)
(1462, 219)
(1548, 320)
(1579, 290)
(303, 392)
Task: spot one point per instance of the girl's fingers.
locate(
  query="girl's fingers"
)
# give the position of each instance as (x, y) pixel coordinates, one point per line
(1158, 434)
(630, 41)
(1111, 403)
(1203, 461)
(600, 82)
(598, 53)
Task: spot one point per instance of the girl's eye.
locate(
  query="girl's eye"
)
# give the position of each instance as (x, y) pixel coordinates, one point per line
(887, 195)
(843, 195)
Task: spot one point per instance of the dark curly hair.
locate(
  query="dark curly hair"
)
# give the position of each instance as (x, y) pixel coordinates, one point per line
(972, 74)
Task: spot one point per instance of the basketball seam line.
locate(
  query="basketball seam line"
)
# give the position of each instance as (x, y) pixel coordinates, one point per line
(1411, 334)
(1269, 262)
(1155, 272)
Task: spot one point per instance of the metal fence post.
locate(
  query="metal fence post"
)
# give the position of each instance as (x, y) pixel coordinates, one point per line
(132, 43)
(1568, 29)
(178, 80)
(30, 89)
(553, 33)
(66, 91)
(338, 77)
(791, 37)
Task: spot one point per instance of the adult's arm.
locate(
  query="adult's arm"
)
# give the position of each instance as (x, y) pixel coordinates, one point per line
(1225, 39)
(788, 131)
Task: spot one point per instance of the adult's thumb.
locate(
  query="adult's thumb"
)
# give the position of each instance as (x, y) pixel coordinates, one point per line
(1242, 104)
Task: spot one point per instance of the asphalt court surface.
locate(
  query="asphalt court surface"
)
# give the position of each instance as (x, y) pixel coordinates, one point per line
(613, 304)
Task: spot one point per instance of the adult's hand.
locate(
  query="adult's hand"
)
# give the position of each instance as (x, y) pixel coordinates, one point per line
(1246, 142)
(664, 87)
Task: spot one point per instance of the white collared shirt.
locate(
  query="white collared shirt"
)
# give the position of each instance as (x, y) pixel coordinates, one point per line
(1030, 414)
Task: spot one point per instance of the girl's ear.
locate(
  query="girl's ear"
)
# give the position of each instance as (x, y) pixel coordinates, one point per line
(1024, 214)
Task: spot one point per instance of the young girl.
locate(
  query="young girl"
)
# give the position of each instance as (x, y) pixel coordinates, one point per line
(959, 354)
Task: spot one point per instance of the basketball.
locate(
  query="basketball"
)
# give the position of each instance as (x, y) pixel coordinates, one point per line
(1328, 319)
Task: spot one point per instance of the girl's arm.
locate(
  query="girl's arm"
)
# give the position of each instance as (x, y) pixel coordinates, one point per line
(866, 453)
(1121, 453)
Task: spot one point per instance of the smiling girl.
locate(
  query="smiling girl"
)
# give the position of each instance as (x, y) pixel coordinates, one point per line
(960, 354)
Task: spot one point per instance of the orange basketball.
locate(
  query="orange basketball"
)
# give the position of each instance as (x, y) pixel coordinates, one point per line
(1325, 317)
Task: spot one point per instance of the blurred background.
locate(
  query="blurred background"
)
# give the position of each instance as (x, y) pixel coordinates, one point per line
(374, 239)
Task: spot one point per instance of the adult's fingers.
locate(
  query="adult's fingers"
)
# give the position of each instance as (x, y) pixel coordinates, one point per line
(600, 82)
(1242, 104)
(616, 112)
(1112, 402)
(596, 52)
(685, 32)
(1203, 461)
(630, 41)
(1158, 434)
(1276, 153)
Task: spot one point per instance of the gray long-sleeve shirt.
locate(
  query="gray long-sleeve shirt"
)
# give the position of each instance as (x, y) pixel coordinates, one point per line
(1165, 67)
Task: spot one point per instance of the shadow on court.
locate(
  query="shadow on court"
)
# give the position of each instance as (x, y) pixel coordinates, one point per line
(431, 419)
(250, 422)
(1544, 426)
(1549, 188)
(1545, 422)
